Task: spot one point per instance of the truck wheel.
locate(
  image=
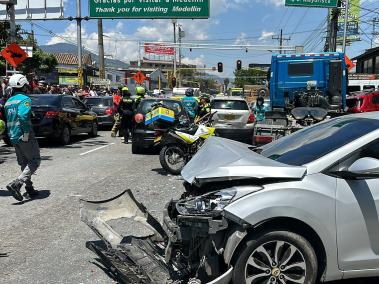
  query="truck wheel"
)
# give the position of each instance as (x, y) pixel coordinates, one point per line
(276, 257)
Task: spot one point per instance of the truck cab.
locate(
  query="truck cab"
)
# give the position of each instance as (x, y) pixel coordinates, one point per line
(308, 80)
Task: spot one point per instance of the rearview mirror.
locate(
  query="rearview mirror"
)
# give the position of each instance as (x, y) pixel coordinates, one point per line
(364, 168)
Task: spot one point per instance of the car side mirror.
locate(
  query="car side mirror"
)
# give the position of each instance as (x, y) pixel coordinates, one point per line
(364, 168)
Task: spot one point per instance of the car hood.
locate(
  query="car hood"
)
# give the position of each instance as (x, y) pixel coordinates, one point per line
(225, 160)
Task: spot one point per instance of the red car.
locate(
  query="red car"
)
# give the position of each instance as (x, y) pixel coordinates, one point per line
(364, 102)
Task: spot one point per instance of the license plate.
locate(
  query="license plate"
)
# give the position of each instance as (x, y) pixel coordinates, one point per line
(157, 139)
(230, 117)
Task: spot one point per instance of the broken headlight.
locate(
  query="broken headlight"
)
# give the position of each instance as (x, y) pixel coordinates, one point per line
(206, 204)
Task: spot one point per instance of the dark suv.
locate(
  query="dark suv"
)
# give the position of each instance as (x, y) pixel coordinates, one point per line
(61, 116)
(144, 136)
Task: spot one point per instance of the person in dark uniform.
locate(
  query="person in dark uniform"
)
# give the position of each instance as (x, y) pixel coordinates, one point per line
(126, 111)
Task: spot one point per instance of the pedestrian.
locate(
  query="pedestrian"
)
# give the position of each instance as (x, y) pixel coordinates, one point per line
(20, 132)
(117, 117)
(125, 109)
(190, 104)
(260, 110)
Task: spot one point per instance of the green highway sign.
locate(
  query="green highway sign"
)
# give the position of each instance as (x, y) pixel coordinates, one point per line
(149, 9)
(313, 3)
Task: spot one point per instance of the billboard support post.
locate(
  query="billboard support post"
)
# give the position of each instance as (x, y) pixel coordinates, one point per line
(174, 22)
(12, 21)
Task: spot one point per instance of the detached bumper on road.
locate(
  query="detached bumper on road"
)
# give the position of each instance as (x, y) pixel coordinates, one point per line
(148, 259)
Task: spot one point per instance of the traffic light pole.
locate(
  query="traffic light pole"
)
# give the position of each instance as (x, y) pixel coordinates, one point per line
(345, 25)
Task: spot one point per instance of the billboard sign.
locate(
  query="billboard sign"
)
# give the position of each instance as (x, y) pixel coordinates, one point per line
(352, 24)
(168, 9)
(159, 49)
(313, 3)
(35, 10)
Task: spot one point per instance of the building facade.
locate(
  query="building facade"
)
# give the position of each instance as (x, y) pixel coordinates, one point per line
(368, 62)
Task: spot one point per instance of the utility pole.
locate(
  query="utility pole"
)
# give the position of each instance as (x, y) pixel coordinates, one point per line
(181, 35)
(281, 39)
(375, 22)
(101, 48)
(79, 42)
(345, 26)
(333, 29)
(12, 20)
(174, 22)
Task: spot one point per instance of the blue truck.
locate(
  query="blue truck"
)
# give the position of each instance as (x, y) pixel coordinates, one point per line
(304, 89)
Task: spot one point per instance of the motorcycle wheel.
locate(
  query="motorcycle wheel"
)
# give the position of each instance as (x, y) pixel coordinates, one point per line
(172, 159)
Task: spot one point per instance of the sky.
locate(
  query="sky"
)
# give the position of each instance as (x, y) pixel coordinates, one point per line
(252, 22)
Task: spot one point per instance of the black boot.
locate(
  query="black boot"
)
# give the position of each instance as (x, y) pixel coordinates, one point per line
(30, 191)
(15, 189)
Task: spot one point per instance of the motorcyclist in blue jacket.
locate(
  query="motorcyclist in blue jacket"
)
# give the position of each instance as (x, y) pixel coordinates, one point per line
(190, 104)
(20, 132)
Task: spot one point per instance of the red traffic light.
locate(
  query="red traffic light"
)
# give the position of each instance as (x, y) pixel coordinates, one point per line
(220, 67)
(239, 64)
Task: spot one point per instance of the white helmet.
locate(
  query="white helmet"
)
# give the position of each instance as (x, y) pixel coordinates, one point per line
(18, 81)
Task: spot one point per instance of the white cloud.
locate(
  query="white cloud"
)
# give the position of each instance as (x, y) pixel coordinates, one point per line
(198, 61)
(266, 35)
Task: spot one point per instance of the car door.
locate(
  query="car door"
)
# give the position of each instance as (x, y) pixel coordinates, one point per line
(85, 119)
(71, 112)
(357, 216)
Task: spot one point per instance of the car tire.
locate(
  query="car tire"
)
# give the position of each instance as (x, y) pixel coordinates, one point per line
(7, 141)
(65, 137)
(136, 150)
(94, 129)
(165, 165)
(295, 258)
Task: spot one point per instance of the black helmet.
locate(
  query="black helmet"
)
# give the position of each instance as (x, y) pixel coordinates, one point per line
(190, 92)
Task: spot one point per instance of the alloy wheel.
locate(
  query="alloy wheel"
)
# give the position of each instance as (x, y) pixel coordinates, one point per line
(275, 262)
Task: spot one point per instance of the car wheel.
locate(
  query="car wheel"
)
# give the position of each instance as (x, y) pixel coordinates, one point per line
(65, 137)
(7, 141)
(136, 149)
(94, 129)
(276, 257)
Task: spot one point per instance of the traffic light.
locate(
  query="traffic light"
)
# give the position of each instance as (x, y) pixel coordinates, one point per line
(220, 67)
(239, 64)
(173, 82)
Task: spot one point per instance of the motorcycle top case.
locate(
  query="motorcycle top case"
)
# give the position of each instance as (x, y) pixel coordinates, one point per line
(160, 113)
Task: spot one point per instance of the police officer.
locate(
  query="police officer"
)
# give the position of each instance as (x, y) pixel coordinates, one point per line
(20, 132)
(141, 93)
(126, 111)
(190, 104)
(204, 107)
(117, 118)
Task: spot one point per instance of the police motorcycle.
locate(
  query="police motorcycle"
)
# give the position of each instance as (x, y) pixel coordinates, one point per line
(179, 145)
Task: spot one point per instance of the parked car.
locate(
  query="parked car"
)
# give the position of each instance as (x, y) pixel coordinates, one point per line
(61, 116)
(234, 119)
(143, 137)
(103, 107)
(363, 102)
(302, 209)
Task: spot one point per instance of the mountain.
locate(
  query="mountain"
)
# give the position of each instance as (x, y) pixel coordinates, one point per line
(70, 48)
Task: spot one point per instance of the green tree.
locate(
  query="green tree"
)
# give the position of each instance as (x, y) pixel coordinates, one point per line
(249, 77)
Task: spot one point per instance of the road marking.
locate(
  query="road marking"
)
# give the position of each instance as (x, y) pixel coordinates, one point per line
(102, 147)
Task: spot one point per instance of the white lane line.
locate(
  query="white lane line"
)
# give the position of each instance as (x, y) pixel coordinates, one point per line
(102, 147)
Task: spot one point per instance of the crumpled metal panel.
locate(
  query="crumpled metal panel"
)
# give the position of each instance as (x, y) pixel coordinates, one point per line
(223, 160)
(96, 214)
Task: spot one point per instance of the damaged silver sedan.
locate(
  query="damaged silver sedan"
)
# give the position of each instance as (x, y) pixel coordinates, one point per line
(298, 210)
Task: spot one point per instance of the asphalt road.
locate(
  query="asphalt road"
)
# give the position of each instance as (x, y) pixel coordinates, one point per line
(43, 241)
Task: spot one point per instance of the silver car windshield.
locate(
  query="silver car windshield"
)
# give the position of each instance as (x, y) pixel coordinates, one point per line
(319, 140)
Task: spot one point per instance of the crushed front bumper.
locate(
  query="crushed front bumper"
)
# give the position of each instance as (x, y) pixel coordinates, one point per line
(147, 259)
